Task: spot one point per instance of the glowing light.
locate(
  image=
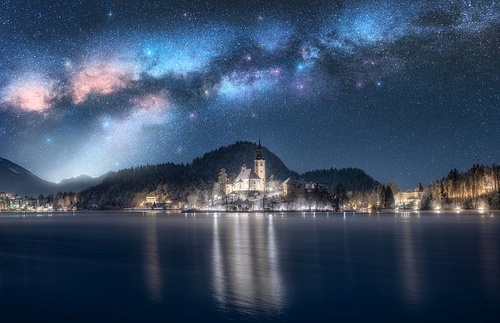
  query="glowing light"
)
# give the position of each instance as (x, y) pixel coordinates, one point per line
(270, 35)
(238, 85)
(151, 102)
(179, 54)
(276, 71)
(102, 78)
(33, 93)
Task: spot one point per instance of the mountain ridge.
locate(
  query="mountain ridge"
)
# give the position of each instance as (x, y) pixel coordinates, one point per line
(126, 187)
(202, 170)
(15, 179)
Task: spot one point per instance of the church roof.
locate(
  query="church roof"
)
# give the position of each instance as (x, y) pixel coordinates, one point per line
(247, 174)
(294, 181)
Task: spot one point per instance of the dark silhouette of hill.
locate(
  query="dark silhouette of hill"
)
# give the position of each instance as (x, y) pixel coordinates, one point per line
(232, 157)
(353, 179)
(118, 189)
(15, 179)
(76, 184)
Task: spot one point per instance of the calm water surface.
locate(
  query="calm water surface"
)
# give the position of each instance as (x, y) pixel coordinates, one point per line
(258, 267)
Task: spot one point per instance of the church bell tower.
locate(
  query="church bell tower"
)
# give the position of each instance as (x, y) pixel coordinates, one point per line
(260, 167)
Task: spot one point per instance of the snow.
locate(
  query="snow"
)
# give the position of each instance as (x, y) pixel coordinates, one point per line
(12, 169)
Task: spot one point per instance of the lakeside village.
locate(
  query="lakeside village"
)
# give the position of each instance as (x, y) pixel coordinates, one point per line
(251, 190)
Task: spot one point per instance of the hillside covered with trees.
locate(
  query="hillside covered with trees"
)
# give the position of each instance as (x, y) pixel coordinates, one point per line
(353, 179)
(128, 187)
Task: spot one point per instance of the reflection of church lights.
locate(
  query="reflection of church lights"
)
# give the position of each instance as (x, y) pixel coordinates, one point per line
(274, 274)
(240, 275)
(245, 268)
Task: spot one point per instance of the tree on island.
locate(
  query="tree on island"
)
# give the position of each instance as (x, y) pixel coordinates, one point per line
(388, 198)
(339, 197)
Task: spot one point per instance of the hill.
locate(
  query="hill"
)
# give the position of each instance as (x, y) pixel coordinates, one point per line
(119, 189)
(15, 179)
(18, 180)
(76, 184)
(353, 179)
(232, 157)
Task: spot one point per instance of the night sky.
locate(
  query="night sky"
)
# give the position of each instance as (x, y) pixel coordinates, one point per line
(405, 90)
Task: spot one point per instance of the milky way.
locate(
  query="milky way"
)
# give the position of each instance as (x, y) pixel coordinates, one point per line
(405, 90)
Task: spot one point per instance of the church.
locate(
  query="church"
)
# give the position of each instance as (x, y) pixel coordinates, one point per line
(249, 180)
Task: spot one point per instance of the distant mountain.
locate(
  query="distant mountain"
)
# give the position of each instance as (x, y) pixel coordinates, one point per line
(353, 179)
(118, 189)
(15, 179)
(79, 183)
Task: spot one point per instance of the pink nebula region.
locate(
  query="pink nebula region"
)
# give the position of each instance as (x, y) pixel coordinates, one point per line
(34, 94)
(101, 78)
(151, 102)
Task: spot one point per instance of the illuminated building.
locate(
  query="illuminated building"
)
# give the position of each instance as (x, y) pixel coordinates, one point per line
(249, 180)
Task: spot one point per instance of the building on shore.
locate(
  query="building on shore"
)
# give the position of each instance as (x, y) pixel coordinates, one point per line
(293, 186)
(250, 180)
(409, 199)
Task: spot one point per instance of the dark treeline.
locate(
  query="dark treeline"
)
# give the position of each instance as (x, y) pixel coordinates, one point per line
(129, 187)
(478, 187)
(121, 189)
(353, 179)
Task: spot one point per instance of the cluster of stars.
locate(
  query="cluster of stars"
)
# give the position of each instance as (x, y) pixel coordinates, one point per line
(127, 79)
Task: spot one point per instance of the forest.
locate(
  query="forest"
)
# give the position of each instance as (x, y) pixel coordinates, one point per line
(476, 188)
(201, 183)
(198, 183)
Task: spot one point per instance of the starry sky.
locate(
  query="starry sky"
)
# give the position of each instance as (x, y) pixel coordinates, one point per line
(405, 90)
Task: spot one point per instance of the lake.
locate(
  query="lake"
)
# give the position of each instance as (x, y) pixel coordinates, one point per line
(294, 267)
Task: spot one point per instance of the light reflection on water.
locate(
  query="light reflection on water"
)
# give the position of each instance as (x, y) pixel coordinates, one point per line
(245, 265)
(284, 266)
(33, 214)
(152, 270)
(490, 258)
(411, 271)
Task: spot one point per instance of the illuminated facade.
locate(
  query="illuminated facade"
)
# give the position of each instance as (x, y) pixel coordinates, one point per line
(249, 180)
(409, 198)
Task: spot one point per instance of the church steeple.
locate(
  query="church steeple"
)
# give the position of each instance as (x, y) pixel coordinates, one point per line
(259, 152)
(260, 167)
